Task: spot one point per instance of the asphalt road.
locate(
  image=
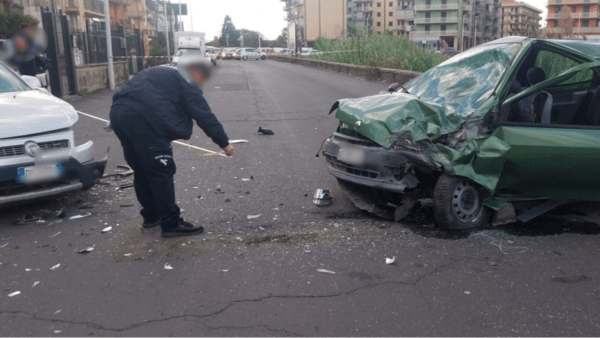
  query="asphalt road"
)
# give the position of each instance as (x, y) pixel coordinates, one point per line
(259, 277)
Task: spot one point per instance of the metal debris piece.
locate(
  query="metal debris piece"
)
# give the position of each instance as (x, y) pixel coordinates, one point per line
(253, 216)
(80, 216)
(61, 213)
(57, 331)
(55, 267)
(57, 312)
(3, 245)
(56, 234)
(127, 255)
(87, 206)
(326, 271)
(168, 266)
(35, 283)
(128, 172)
(16, 293)
(127, 205)
(27, 270)
(390, 261)
(107, 229)
(265, 131)
(245, 179)
(126, 185)
(322, 197)
(86, 250)
(237, 141)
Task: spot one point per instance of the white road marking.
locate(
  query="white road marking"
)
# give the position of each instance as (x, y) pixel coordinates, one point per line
(178, 142)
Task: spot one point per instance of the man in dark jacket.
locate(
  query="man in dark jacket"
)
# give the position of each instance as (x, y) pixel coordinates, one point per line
(154, 108)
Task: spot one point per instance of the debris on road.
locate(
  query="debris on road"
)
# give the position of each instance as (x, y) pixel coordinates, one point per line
(126, 185)
(86, 250)
(87, 206)
(3, 245)
(35, 283)
(61, 213)
(16, 293)
(253, 216)
(390, 261)
(128, 172)
(322, 197)
(168, 266)
(237, 141)
(127, 255)
(126, 205)
(55, 267)
(265, 131)
(56, 234)
(80, 216)
(326, 271)
(57, 312)
(107, 229)
(245, 179)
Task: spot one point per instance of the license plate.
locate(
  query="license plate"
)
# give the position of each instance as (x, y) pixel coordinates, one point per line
(353, 156)
(40, 173)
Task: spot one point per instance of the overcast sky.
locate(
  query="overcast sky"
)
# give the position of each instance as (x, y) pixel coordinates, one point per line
(265, 16)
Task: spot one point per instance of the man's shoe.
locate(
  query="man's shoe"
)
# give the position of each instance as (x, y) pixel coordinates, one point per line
(150, 223)
(183, 229)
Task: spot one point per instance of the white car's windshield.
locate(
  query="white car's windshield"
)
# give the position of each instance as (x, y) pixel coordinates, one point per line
(187, 51)
(9, 82)
(464, 82)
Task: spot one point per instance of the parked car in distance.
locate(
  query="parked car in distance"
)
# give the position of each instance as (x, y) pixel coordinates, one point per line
(312, 52)
(511, 121)
(448, 51)
(181, 52)
(227, 53)
(38, 156)
(250, 54)
(285, 51)
(211, 53)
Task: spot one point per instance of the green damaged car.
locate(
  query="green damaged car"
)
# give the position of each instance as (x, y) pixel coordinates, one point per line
(513, 120)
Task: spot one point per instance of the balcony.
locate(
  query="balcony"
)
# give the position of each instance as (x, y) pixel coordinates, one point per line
(94, 8)
(437, 20)
(405, 14)
(71, 7)
(575, 16)
(572, 2)
(436, 7)
(434, 33)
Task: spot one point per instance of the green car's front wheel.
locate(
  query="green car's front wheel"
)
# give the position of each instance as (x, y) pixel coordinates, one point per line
(458, 203)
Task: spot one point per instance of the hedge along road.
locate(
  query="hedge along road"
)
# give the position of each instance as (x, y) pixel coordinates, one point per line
(259, 276)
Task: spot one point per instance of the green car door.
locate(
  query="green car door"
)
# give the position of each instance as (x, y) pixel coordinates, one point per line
(558, 157)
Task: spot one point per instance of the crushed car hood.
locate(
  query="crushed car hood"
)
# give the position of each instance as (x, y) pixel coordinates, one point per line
(384, 118)
(33, 112)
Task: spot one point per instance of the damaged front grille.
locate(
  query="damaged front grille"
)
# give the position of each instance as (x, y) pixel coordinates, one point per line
(349, 169)
(20, 150)
(54, 144)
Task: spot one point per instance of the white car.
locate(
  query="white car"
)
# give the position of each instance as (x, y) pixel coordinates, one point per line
(185, 51)
(38, 156)
(250, 53)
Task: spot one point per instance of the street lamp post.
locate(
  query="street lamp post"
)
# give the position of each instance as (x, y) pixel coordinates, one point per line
(111, 67)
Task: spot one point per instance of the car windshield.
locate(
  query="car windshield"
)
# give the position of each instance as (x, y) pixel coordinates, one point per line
(187, 51)
(464, 82)
(9, 82)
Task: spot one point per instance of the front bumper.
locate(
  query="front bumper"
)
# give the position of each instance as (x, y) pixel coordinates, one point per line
(375, 166)
(75, 176)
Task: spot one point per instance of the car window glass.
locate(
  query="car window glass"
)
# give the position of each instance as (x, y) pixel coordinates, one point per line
(10, 82)
(463, 83)
(554, 64)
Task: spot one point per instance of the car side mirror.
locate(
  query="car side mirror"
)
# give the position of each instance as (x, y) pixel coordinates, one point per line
(32, 81)
(393, 87)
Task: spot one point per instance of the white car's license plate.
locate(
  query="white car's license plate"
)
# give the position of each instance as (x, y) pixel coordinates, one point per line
(40, 173)
(353, 156)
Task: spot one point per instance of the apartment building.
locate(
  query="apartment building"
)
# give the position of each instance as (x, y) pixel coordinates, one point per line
(573, 18)
(461, 24)
(310, 19)
(394, 16)
(520, 19)
(360, 15)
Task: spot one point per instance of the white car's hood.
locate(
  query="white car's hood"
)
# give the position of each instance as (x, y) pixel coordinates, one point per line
(33, 112)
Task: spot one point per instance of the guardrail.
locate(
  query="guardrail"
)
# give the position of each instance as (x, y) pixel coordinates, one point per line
(363, 72)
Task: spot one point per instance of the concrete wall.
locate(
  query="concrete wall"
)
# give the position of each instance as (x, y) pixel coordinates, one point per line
(362, 72)
(93, 77)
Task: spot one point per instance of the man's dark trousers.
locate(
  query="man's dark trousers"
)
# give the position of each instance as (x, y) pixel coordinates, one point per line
(150, 155)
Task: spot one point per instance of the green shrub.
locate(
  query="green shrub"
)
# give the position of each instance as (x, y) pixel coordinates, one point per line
(10, 23)
(378, 50)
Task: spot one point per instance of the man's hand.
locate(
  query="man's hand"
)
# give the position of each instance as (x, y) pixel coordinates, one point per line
(229, 151)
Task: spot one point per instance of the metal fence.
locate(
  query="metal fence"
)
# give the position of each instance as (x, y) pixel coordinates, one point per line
(91, 48)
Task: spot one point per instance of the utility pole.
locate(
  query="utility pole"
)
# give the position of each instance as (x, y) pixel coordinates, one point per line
(111, 67)
(179, 20)
(168, 24)
(227, 38)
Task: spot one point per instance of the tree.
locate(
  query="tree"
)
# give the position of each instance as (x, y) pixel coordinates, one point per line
(10, 23)
(565, 21)
(158, 46)
(229, 30)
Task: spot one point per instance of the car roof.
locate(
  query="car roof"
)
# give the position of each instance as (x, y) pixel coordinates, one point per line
(590, 48)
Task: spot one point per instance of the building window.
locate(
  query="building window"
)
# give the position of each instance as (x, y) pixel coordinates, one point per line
(443, 27)
(428, 2)
(443, 16)
(378, 24)
(411, 23)
(379, 4)
(573, 9)
(444, 2)
(585, 23)
(391, 14)
(558, 9)
(586, 8)
(391, 4)
(391, 24)
(427, 28)
(378, 15)
(428, 15)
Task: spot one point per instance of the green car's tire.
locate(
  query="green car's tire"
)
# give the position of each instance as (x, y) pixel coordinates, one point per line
(458, 203)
